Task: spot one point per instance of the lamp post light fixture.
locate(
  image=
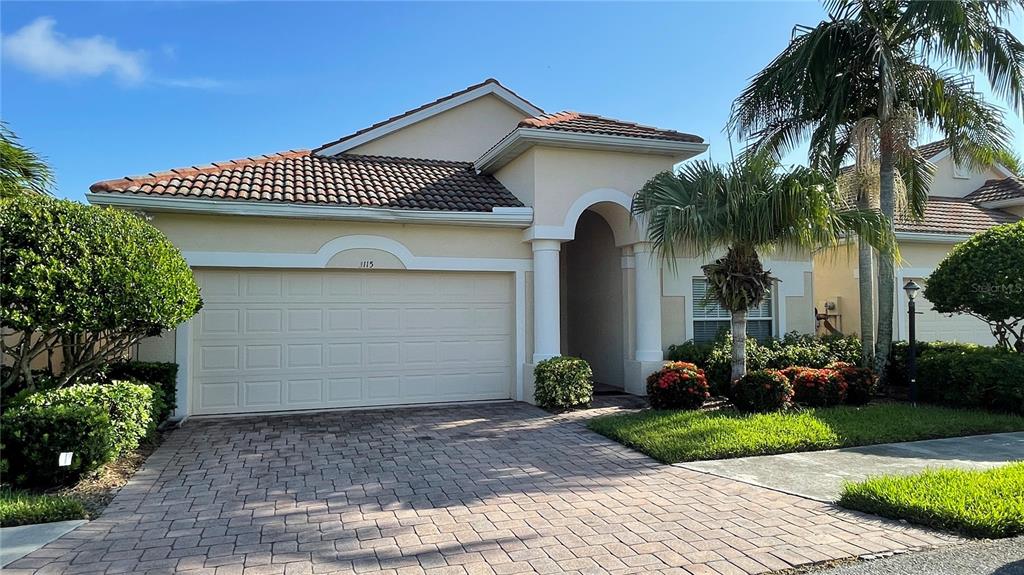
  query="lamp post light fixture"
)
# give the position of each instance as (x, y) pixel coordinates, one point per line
(912, 288)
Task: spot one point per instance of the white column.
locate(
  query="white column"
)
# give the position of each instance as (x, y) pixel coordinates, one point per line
(546, 313)
(648, 303)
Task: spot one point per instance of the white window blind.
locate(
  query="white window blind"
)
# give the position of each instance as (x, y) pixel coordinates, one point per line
(710, 319)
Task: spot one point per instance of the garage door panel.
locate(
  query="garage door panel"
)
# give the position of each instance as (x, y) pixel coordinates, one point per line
(278, 340)
(934, 326)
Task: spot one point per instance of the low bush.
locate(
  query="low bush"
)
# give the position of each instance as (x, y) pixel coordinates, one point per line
(161, 376)
(972, 376)
(23, 508)
(896, 370)
(563, 383)
(129, 407)
(35, 434)
(792, 349)
(678, 385)
(762, 390)
(818, 387)
(861, 383)
(690, 352)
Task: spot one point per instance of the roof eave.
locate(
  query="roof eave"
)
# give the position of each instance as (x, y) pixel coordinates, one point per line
(932, 237)
(488, 88)
(513, 217)
(520, 139)
(1003, 203)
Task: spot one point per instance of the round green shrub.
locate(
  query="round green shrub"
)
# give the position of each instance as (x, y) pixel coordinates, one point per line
(818, 387)
(71, 273)
(761, 391)
(984, 277)
(129, 407)
(34, 436)
(563, 383)
(677, 385)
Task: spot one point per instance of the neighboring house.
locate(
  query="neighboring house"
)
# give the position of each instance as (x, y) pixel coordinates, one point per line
(435, 256)
(961, 202)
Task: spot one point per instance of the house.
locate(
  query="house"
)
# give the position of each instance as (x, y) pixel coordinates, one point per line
(435, 256)
(961, 202)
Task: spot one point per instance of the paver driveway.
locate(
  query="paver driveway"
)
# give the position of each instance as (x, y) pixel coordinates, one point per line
(503, 488)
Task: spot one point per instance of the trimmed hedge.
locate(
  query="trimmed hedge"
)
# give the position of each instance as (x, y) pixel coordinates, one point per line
(762, 391)
(129, 407)
(34, 435)
(861, 383)
(792, 349)
(563, 383)
(160, 376)
(972, 376)
(678, 385)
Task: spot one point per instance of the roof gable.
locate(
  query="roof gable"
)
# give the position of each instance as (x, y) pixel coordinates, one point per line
(489, 87)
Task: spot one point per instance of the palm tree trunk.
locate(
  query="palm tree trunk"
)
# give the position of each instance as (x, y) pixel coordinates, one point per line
(739, 344)
(886, 264)
(867, 303)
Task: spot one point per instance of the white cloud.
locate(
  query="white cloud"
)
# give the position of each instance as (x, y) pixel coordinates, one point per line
(198, 83)
(40, 49)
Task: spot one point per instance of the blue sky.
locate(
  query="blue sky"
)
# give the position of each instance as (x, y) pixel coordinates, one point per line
(109, 89)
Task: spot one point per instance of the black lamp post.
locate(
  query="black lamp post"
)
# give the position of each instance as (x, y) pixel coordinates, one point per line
(911, 288)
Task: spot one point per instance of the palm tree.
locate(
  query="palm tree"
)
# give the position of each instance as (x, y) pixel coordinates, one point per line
(746, 207)
(21, 170)
(883, 59)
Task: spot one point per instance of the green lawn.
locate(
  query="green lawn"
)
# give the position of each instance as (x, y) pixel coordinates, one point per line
(674, 436)
(22, 508)
(977, 503)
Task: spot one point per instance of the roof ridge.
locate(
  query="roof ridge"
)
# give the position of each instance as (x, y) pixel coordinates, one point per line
(407, 159)
(549, 119)
(190, 171)
(455, 94)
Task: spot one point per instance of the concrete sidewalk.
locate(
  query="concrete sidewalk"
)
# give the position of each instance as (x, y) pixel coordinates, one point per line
(17, 542)
(819, 475)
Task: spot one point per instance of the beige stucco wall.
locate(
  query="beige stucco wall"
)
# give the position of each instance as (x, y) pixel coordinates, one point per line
(520, 176)
(835, 274)
(462, 133)
(945, 184)
(306, 236)
(563, 175)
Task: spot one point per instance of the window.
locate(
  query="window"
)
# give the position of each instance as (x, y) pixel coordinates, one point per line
(709, 319)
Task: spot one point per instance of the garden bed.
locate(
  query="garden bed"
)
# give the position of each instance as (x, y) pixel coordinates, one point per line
(987, 503)
(677, 436)
(84, 500)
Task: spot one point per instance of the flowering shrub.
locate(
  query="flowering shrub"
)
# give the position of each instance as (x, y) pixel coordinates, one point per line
(563, 383)
(861, 382)
(678, 385)
(762, 390)
(819, 387)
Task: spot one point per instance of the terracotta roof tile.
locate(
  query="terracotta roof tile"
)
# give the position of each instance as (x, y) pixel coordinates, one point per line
(591, 124)
(930, 150)
(995, 190)
(352, 180)
(954, 216)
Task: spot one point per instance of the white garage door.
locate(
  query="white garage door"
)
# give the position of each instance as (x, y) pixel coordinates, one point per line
(277, 340)
(935, 326)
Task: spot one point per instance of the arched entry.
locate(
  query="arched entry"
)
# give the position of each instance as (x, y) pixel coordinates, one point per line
(592, 322)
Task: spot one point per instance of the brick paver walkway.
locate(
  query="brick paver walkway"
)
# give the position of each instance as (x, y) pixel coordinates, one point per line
(501, 488)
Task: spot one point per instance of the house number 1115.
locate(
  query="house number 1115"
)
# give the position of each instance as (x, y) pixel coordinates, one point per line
(366, 264)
